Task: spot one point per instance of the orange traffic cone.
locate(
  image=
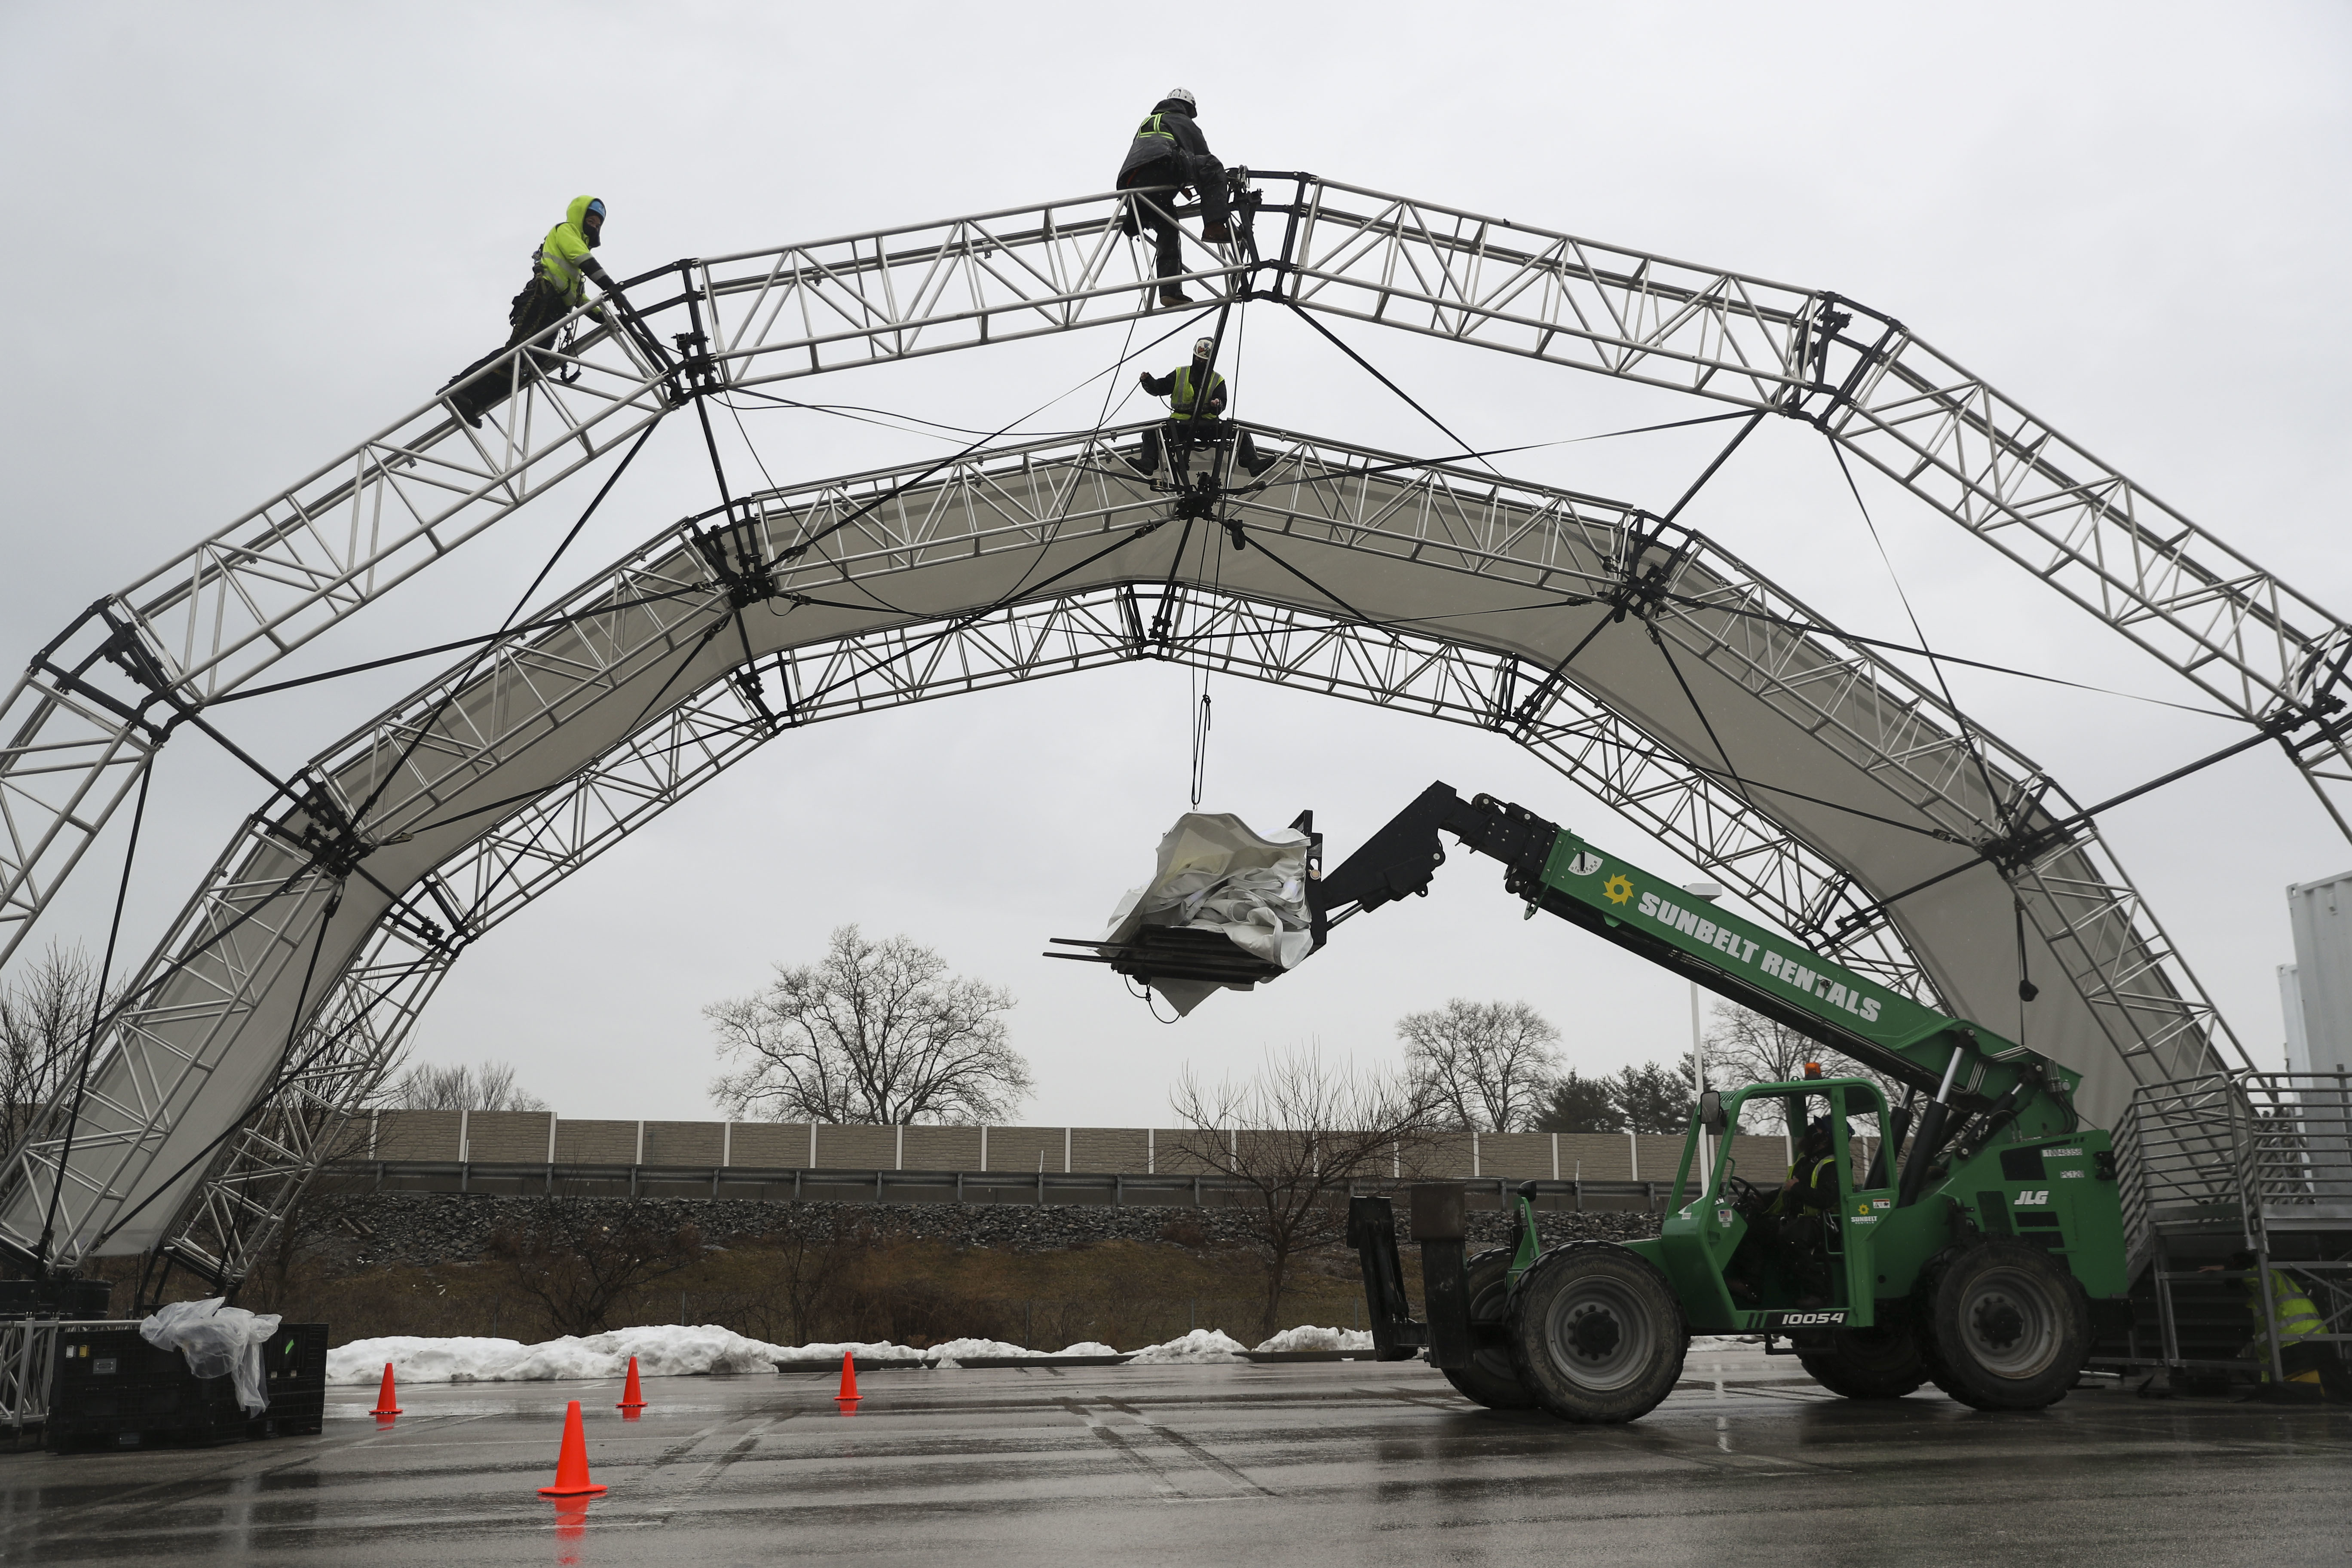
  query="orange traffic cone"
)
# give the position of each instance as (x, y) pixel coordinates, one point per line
(386, 1401)
(633, 1398)
(847, 1397)
(572, 1462)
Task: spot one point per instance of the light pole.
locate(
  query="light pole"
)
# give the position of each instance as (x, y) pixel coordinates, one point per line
(1706, 892)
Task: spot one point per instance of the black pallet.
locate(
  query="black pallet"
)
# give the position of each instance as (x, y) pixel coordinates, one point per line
(109, 1389)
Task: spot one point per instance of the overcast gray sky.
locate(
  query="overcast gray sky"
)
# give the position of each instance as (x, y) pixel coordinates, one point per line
(242, 237)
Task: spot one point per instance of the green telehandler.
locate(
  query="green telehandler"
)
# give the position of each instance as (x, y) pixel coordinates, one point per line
(1973, 1252)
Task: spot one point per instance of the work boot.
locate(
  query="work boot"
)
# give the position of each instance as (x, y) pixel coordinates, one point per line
(1174, 297)
(1217, 234)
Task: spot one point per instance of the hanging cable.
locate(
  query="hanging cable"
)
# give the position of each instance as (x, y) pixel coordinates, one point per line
(97, 1011)
(450, 695)
(1691, 697)
(802, 548)
(1201, 721)
(1368, 366)
(1968, 732)
(293, 1032)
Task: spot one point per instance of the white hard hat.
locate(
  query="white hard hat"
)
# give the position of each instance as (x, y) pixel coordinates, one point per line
(1203, 347)
(1183, 96)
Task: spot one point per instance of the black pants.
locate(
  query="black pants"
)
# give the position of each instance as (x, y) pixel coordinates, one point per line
(534, 317)
(1206, 175)
(1177, 439)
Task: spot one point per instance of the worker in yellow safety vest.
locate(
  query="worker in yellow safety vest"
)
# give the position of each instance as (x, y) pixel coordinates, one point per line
(561, 269)
(2302, 1354)
(1196, 408)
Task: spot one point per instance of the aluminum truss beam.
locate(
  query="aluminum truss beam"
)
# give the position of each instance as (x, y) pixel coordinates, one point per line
(230, 1079)
(77, 729)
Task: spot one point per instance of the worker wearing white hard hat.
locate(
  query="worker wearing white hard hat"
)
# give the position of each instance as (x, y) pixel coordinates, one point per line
(1169, 150)
(1196, 417)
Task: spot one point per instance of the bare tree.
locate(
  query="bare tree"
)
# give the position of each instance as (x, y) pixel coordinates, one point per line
(578, 1258)
(874, 1032)
(45, 1013)
(1744, 1048)
(801, 1265)
(1294, 1137)
(489, 1086)
(1487, 1064)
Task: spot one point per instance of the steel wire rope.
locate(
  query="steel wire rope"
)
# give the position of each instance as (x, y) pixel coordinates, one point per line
(554, 622)
(1650, 623)
(281, 787)
(1818, 628)
(797, 551)
(2054, 832)
(450, 695)
(2026, 990)
(851, 411)
(969, 618)
(1368, 472)
(97, 1011)
(1370, 369)
(551, 623)
(1967, 730)
(1203, 710)
(278, 1079)
(802, 547)
(956, 624)
(1705, 723)
(1258, 542)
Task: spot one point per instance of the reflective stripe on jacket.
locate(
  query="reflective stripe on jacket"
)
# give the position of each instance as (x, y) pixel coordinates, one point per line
(564, 251)
(1163, 135)
(1180, 398)
(1820, 1165)
(2298, 1319)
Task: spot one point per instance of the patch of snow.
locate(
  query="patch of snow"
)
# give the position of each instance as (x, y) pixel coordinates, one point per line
(955, 1352)
(416, 1359)
(1200, 1345)
(833, 1349)
(1306, 1337)
(673, 1350)
(665, 1350)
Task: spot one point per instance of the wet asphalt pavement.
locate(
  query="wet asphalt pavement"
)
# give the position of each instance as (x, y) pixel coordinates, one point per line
(1349, 1463)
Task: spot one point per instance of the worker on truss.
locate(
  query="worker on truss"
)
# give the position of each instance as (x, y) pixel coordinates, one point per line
(1196, 408)
(561, 268)
(1169, 150)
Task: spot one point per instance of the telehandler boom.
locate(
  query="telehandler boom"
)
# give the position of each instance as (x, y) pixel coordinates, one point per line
(1969, 1253)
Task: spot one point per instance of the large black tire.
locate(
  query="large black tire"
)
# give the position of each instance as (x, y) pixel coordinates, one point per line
(1489, 1379)
(1596, 1333)
(2003, 1326)
(1882, 1363)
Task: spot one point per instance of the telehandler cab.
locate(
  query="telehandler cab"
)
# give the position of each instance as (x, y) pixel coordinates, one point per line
(1969, 1253)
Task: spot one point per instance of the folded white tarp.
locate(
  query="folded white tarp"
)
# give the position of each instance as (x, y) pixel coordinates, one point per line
(1217, 874)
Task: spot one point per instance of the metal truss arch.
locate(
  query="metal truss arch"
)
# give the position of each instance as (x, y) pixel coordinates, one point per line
(73, 732)
(1458, 596)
